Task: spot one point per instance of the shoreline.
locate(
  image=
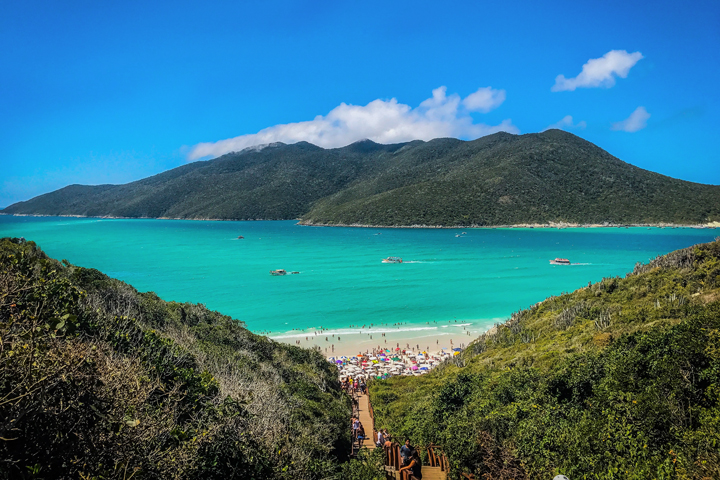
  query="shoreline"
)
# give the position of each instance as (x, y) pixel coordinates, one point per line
(556, 225)
(415, 338)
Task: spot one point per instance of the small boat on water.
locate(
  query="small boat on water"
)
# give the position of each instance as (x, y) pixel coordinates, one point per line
(560, 261)
(392, 260)
(278, 273)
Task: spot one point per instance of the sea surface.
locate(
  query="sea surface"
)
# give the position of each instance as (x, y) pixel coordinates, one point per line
(449, 278)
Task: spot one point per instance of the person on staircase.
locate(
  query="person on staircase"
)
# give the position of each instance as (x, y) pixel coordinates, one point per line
(406, 452)
(355, 427)
(415, 465)
(387, 438)
(360, 434)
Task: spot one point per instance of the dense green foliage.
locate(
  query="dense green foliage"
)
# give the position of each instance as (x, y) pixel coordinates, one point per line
(98, 381)
(620, 379)
(501, 179)
(367, 466)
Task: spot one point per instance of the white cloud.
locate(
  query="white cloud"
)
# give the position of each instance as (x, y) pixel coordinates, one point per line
(567, 124)
(600, 72)
(636, 121)
(484, 100)
(382, 121)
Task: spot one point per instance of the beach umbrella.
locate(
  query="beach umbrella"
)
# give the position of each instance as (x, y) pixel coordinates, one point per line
(424, 368)
(456, 353)
(457, 349)
(338, 361)
(396, 359)
(414, 367)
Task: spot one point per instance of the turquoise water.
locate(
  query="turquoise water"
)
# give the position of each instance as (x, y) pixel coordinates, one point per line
(478, 278)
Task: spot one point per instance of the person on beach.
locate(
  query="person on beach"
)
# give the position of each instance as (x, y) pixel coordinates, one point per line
(415, 465)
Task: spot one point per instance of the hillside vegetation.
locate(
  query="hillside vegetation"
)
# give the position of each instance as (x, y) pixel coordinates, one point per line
(618, 380)
(98, 380)
(501, 179)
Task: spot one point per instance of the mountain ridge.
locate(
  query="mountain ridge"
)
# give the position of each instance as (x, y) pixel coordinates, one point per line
(500, 179)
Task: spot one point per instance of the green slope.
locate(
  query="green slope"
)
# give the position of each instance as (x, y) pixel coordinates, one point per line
(277, 182)
(620, 379)
(500, 179)
(506, 179)
(98, 380)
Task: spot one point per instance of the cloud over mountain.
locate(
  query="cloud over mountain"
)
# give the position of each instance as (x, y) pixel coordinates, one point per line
(600, 72)
(636, 121)
(383, 121)
(566, 123)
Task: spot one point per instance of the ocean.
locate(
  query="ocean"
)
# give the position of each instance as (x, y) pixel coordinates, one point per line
(449, 278)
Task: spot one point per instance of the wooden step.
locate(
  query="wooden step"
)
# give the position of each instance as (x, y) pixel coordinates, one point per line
(367, 422)
(433, 473)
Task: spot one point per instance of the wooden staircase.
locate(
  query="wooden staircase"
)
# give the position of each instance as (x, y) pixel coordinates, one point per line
(435, 469)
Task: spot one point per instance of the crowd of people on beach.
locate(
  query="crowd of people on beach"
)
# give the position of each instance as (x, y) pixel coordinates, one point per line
(381, 363)
(366, 329)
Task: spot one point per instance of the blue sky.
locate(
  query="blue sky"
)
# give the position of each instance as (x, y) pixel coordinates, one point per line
(109, 92)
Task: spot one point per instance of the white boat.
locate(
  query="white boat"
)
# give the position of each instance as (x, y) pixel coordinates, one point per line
(392, 260)
(560, 261)
(278, 273)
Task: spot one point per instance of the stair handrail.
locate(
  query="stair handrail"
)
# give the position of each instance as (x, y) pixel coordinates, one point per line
(437, 457)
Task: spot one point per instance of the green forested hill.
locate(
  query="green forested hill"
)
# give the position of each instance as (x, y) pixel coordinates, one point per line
(98, 380)
(506, 179)
(501, 179)
(617, 380)
(275, 183)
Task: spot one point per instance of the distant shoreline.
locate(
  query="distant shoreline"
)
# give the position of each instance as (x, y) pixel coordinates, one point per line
(556, 225)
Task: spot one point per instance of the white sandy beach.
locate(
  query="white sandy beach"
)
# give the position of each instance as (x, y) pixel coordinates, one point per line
(428, 337)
